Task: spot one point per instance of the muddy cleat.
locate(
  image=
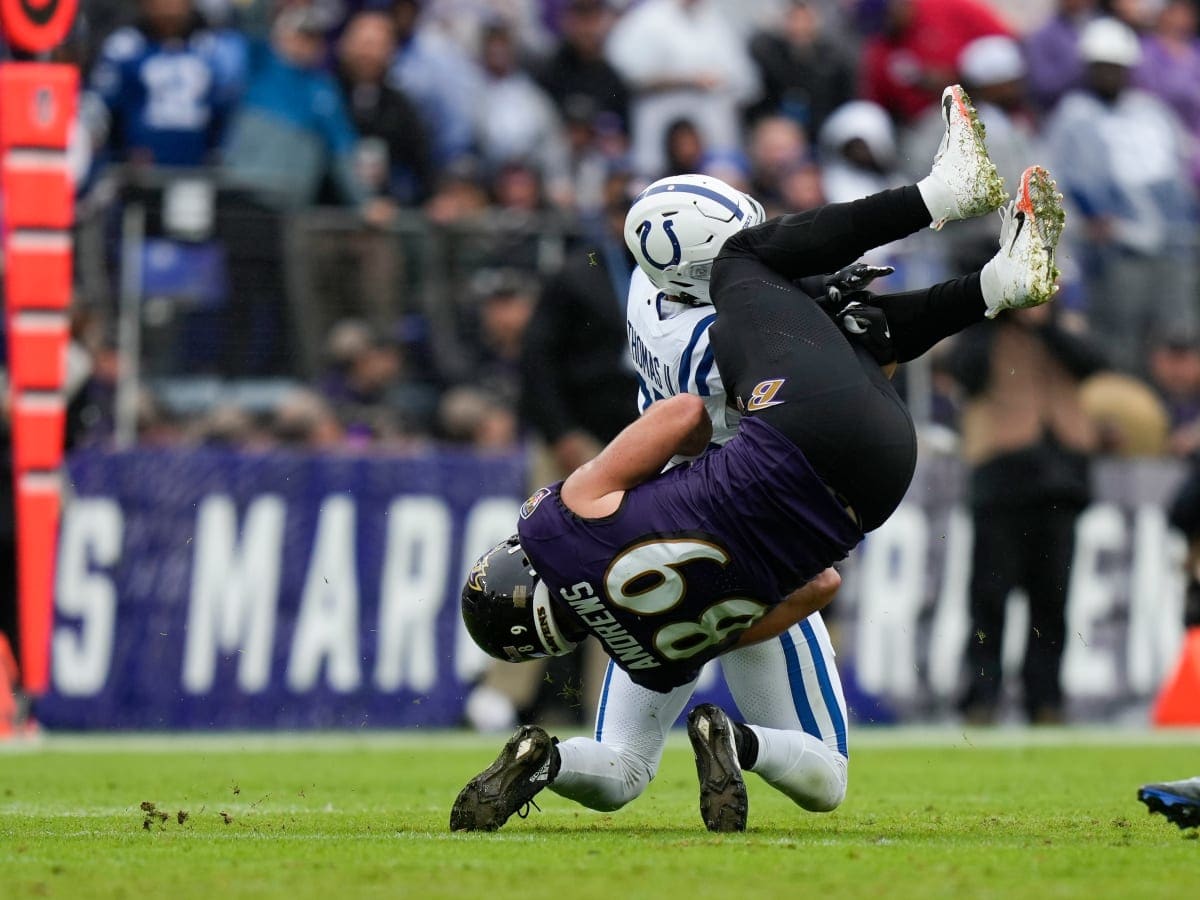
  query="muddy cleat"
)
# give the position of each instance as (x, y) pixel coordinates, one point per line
(1179, 801)
(509, 784)
(723, 803)
(964, 181)
(1022, 274)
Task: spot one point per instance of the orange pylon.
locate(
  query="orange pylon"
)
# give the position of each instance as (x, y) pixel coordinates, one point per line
(1178, 702)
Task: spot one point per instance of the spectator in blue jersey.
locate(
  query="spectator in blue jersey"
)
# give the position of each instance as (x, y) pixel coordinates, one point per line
(162, 89)
(293, 129)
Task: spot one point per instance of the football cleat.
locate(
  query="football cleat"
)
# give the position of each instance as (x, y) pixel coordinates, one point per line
(508, 785)
(1179, 801)
(964, 181)
(723, 802)
(1022, 273)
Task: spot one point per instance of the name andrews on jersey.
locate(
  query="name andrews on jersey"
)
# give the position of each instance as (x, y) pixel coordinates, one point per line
(647, 363)
(621, 644)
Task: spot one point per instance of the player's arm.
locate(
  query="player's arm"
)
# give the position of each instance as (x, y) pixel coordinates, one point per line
(827, 237)
(796, 607)
(677, 425)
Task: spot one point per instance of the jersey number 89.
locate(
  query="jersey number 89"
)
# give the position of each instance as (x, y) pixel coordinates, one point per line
(646, 579)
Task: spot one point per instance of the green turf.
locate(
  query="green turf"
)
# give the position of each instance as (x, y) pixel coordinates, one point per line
(975, 815)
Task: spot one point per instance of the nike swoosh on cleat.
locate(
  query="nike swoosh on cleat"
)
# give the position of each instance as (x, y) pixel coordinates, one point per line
(1017, 233)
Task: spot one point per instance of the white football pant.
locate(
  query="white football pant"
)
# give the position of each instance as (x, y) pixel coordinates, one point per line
(787, 690)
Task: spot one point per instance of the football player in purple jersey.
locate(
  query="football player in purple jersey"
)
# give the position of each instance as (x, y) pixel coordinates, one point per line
(671, 569)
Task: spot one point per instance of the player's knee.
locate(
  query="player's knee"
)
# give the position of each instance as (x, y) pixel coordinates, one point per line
(626, 778)
(635, 777)
(828, 789)
(613, 793)
(817, 787)
(826, 798)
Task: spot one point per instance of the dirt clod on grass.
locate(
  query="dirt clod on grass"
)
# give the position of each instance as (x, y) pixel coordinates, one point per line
(226, 817)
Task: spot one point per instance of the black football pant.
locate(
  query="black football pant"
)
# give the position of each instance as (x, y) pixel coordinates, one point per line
(781, 356)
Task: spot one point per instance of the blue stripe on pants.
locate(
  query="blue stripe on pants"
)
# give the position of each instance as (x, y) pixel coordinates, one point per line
(796, 679)
(831, 700)
(603, 700)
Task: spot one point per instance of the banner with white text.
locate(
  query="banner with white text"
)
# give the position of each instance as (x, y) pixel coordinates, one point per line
(214, 589)
(211, 589)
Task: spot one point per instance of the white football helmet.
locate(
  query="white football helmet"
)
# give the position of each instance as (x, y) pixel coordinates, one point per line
(677, 226)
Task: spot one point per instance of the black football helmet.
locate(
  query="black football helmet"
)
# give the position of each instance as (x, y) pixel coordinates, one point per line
(507, 608)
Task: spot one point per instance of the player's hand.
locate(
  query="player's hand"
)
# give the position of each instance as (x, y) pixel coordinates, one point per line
(854, 277)
(867, 325)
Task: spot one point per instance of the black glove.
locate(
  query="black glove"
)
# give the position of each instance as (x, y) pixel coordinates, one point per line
(867, 325)
(852, 278)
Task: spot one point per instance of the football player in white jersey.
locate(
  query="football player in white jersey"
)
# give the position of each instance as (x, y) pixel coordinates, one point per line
(788, 688)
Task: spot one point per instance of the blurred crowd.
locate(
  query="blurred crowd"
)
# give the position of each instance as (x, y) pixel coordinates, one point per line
(561, 110)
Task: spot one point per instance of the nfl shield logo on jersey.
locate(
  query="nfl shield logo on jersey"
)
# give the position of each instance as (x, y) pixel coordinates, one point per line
(531, 504)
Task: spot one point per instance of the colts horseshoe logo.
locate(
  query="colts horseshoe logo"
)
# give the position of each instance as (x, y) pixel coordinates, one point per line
(643, 232)
(36, 26)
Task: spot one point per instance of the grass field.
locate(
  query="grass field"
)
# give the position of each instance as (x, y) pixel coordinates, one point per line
(941, 814)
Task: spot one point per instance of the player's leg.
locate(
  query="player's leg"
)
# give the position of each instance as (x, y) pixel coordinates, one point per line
(962, 183)
(790, 694)
(632, 724)
(1022, 273)
(918, 320)
(827, 396)
(603, 774)
(830, 398)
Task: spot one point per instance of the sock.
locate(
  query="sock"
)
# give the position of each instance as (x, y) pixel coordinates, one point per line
(746, 742)
(992, 286)
(938, 197)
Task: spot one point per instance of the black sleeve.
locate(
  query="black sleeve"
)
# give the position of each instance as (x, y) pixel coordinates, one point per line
(829, 237)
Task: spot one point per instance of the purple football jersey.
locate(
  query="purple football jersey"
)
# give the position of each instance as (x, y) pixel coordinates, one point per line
(692, 557)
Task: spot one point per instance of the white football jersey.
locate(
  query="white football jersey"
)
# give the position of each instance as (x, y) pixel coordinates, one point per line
(668, 342)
